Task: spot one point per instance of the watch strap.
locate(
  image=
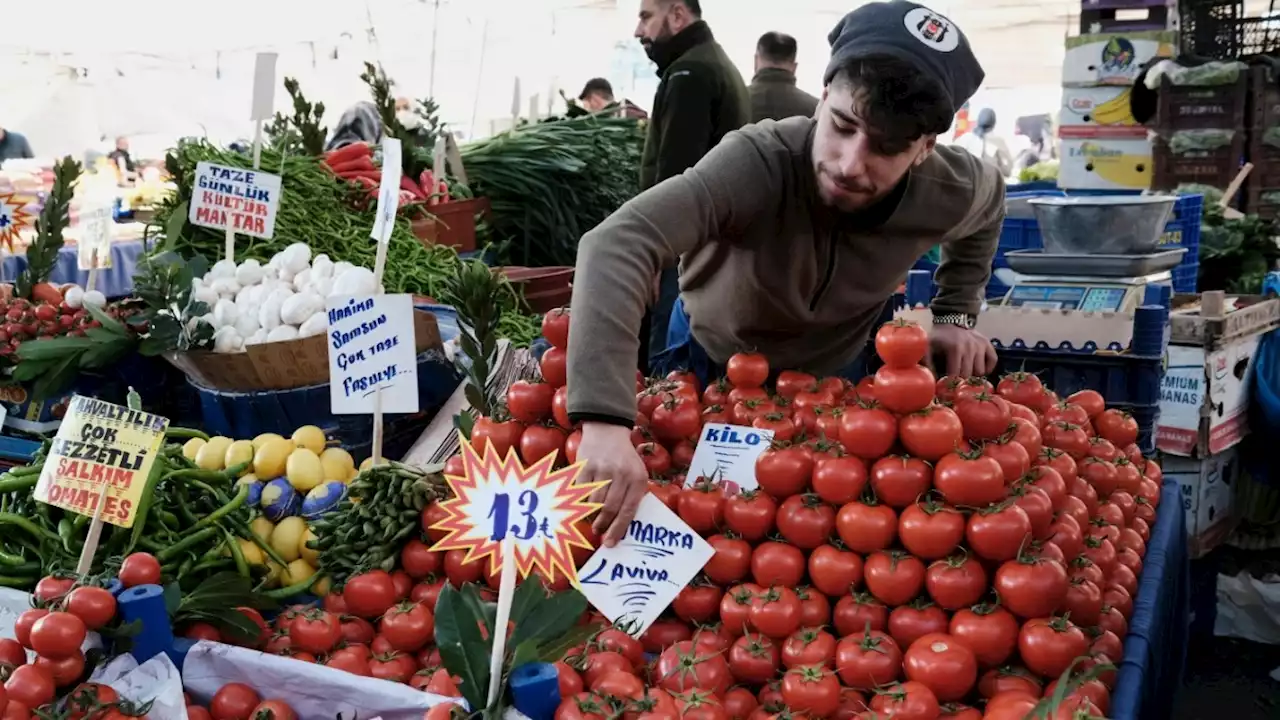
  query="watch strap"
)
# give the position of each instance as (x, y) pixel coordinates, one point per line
(963, 320)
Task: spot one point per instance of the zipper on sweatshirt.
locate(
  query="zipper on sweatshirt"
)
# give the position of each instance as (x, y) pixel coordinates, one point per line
(827, 275)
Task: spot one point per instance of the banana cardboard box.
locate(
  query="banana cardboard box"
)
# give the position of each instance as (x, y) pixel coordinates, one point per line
(1105, 164)
(1114, 58)
(1098, 112)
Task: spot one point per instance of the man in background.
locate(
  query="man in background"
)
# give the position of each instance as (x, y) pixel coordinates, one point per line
(596, 95)
(774, 95)
(14, 146)
(700, 99)
(982, 142)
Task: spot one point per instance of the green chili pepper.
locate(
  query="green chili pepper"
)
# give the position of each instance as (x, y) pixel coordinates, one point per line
(30, 527)
(295, 589)
(185, 543)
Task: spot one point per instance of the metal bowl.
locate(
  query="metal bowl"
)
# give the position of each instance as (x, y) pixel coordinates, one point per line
(1106, 224)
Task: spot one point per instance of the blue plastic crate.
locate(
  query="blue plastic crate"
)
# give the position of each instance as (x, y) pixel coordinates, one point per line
(1129, 380)
(1186, 276)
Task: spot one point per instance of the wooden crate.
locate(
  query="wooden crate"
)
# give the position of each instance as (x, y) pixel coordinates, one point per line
(1216, 168)
(1193, 107)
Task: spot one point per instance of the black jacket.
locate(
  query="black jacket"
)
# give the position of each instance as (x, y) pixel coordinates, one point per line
(774, 96)
(701, 99)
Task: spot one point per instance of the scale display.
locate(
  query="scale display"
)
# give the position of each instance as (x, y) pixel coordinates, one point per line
(1089, 298)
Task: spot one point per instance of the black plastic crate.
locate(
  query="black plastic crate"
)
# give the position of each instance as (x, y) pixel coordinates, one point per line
(1210, 28)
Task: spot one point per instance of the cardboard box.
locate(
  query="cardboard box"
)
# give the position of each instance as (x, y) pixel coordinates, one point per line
(1204, 398)
(23, 413)
(281, 365)
(1105, 164)
(1098, 112)
(1208, 496)
(1114, 58)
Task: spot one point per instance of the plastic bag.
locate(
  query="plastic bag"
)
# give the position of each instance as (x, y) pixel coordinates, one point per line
(156, 681)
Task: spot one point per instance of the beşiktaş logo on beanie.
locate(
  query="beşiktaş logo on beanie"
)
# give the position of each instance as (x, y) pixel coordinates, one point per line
(932, 29)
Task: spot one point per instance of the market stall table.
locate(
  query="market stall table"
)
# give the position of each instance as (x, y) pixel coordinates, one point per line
(115, 282)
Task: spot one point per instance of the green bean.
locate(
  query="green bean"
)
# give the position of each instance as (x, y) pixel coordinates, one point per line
(178, 433)
(18, 483)
(144, 509)
(295, 589)
(185, 543)
(245, 532)
(237, 554)
(30, 527)
(242, 493)
(11, 559)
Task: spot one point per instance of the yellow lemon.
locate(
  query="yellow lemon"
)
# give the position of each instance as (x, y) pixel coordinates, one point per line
(269, 461)
(303, 470)
(337, 464)
(322, 587)
(296, 572)
(287, 536)
(262, 527)
(309, 437)
(306, 553)
(191, 447)
(252, 553)
(212, 454)
(240, 451)
(263, 438)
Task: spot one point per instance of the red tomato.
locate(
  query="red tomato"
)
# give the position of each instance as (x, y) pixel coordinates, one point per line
(969, 479)
(503, 436)
(990, 631)
(1067, 437)
(943, 664)
(316, 632)
(868, 660)
(998, 532)
(754, 658)
(868, 431)
(1008, 679)
(906, 701)
(680, 669)
(911, 622)
(30, 686)
(64, 671)
(540, 441)
(775, 563)
(983, 416)
(234, 701)
(806, 521)
(93, 605)
(931, 530)
(140, 569)
(408, 626)
(58, 635)
(663, 634)
(866, 528)
(530, 402)
(26, 621)
(854, 613)
(777, 614)
(676, 419)
(839, 480)
(53, 587)
(900, 480)
(739, 703)
(905, 389)
(274, 710)
(1027, 434)
(1038, 507)
(901, 343)
(1030, 586)
(1020, 387)
(810, 646)
(702, 506)
(394, 666)
(553, 366)
(791, 383)
(1049, 646)
(815, 608)
(894, 577)
(1117, 426)
(731, 561)
(12, 653)
(353, 662)
(957, 582)
(783, 471)
(1012, 457)
(372, 593)
(697, 603)
(750, 514)
(811, 689)
(555, 327)
(834, 570)
(418, 561)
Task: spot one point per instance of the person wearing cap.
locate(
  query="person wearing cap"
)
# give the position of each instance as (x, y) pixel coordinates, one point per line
(792, 237)
(774, 95)
(700, 99)
(983, 143)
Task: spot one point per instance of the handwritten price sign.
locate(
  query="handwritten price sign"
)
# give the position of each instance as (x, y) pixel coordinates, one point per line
(536, 507)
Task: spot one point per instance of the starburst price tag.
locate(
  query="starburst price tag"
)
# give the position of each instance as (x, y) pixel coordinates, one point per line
(13, 218)
(537, 508)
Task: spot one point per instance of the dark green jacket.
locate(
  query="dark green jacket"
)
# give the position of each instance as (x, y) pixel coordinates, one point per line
(774, 96)
(701, 99)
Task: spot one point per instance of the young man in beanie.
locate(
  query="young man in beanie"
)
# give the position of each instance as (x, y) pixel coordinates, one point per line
(793, 235)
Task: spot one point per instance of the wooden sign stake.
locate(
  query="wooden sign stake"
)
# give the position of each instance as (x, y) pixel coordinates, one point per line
(93, 272)
(506, 595)
(95, 534)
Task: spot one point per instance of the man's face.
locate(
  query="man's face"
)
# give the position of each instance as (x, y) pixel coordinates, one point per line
(595, 102)
(122, 144)
(853, 167)
(658, 22)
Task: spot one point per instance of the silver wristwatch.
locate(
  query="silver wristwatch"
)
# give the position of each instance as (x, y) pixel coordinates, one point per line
(963, 320)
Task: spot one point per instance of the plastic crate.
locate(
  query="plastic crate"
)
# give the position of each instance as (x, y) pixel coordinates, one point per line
(1215, 168)
(1131, 380)
(1186, 277)
(1196, 107)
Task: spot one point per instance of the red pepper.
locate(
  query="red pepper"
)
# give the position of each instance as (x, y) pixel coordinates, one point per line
(427, 181)
(408, 185)
(364, 182)
(373, 175)
(364, 163)
(354, 151)
(407, 198)
(444, 192)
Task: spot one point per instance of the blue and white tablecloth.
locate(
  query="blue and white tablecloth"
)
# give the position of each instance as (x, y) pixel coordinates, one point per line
(114, 283)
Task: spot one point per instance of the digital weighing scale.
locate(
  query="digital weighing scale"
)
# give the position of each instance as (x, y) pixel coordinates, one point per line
(1093, 283)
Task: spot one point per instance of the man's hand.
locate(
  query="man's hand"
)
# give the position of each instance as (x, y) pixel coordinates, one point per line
(968, 352)
(611, 456)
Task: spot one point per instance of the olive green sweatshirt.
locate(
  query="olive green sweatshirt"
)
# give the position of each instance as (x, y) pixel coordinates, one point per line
(765, 265)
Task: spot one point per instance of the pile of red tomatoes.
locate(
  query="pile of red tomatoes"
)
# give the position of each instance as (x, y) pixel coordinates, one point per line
(916, 549)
